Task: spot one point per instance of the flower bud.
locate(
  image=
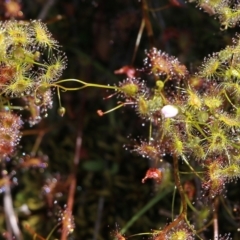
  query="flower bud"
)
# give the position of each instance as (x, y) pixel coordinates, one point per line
(169, 111)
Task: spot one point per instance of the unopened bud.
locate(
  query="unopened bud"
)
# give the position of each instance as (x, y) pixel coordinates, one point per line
(169, 111)
(61, 111)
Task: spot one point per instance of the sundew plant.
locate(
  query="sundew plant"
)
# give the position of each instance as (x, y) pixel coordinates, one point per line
(31, 64)
(193, 119)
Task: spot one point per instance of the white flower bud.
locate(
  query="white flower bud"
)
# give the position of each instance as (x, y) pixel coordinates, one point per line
(169, 111)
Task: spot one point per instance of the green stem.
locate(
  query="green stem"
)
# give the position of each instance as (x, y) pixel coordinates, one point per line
(192, 169)
(151, 203)
(87, 84)
(50, 234)
(59, 97)
(229, 99)
(191, 206)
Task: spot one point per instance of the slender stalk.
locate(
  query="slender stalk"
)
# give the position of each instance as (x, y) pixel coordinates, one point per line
(192, 169)
(86, 84)
(173, 201)
(73, 183)
(37, 142)
(140, 32)
(50, 234)
(147, 22)
(11, 219)
(46, 7)
(33, 233)
(177, 181)
(215, 218)
(98, 218)
(151, 203)
(204, 227)
(101, 113)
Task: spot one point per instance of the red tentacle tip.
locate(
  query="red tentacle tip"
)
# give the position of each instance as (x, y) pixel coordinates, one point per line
(100, 113)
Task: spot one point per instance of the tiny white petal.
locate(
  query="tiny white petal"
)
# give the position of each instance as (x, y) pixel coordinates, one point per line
(169, 111)
(24, 209)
